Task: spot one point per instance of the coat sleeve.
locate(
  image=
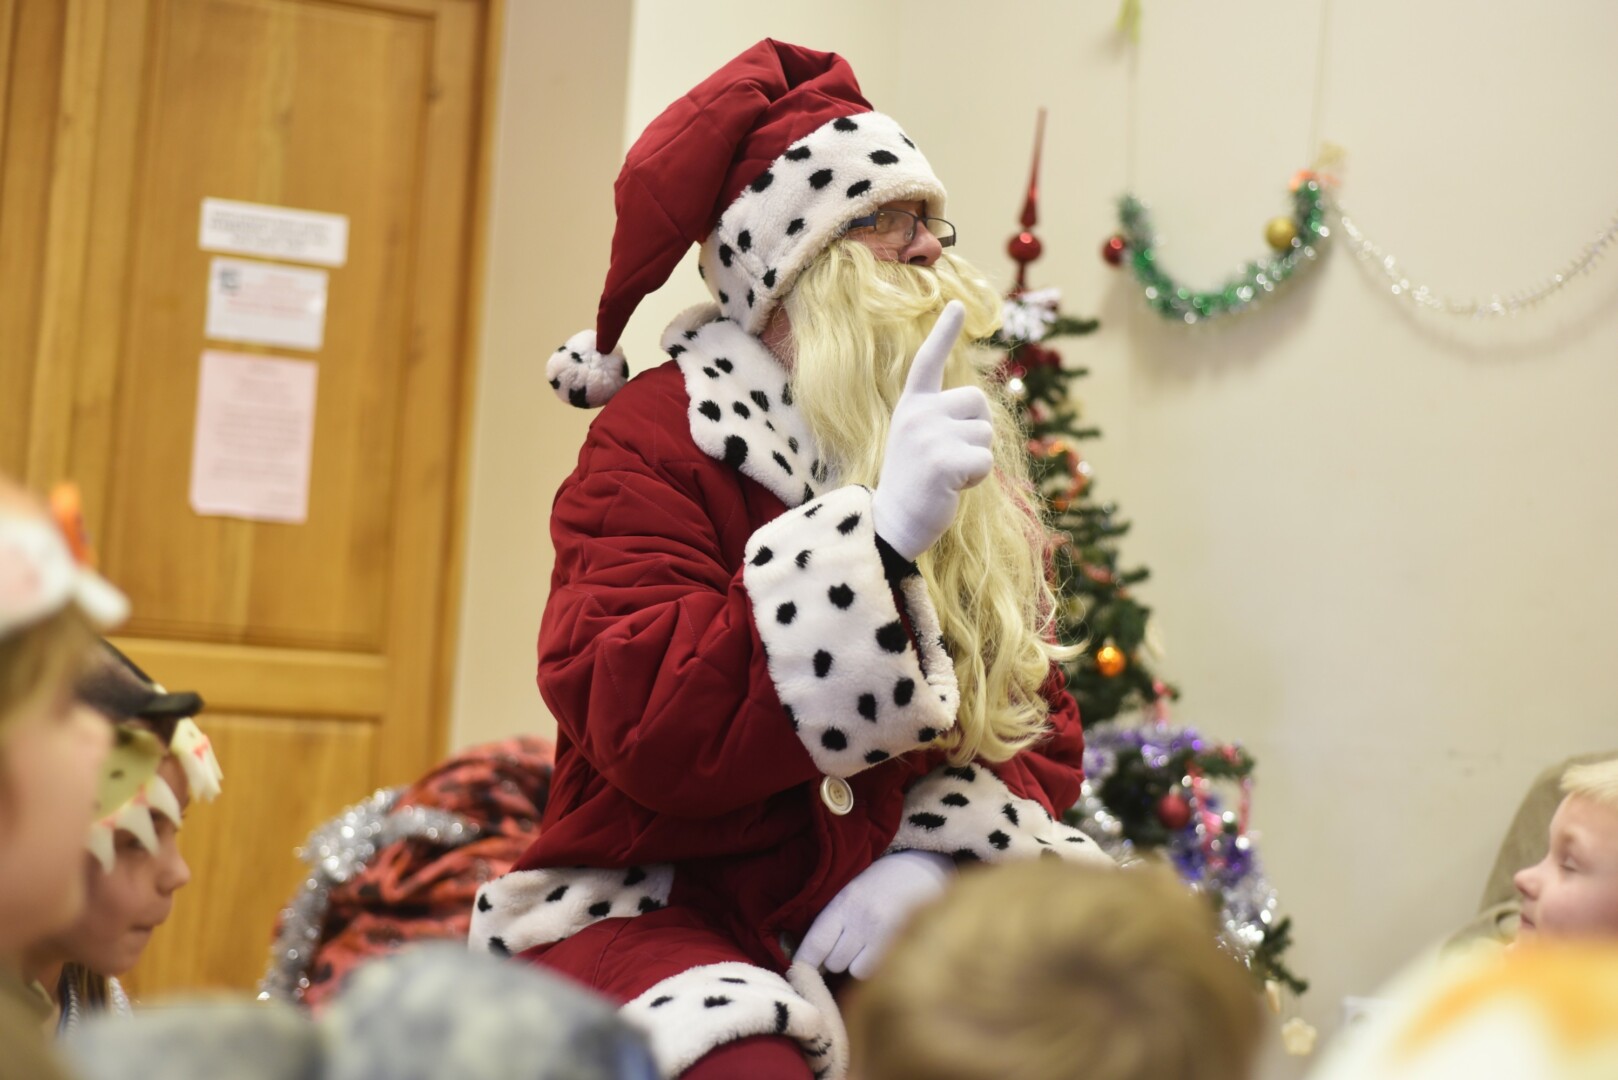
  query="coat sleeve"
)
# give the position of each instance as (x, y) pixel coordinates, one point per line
(697, 687)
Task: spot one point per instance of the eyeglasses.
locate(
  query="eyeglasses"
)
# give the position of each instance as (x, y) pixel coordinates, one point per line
(898, 227)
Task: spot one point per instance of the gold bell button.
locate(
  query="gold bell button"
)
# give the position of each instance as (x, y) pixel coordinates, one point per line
(837, 795)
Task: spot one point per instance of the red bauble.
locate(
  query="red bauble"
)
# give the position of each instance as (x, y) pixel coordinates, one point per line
(1113, 250)
(1024, 247)
(1173, 811)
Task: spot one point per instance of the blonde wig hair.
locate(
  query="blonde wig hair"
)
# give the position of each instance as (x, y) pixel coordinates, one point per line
(1046, 970)
(856, 323)
(1596, 781)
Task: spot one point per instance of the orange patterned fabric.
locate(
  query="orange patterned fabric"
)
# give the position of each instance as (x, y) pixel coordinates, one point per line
(414, 890)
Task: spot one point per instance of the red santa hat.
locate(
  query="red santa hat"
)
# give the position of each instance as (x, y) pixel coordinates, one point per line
(764, 163)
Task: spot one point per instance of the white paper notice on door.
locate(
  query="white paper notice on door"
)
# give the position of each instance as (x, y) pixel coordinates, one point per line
(266, 304)
(273, 232)
(254, 438)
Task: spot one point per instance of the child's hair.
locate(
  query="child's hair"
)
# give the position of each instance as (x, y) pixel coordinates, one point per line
(40, 660)
(1596, 781)
(1043, 970)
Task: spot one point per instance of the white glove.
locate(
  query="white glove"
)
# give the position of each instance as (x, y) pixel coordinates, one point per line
(938, 446)
(859, 924)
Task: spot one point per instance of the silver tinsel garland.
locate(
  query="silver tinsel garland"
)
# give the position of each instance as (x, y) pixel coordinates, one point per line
(335, 852)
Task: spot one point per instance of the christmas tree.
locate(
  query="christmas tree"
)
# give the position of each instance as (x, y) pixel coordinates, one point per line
(1150, 787)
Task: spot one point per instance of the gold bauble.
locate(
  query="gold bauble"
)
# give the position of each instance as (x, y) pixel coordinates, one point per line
(1110, 660)
(1281, 233)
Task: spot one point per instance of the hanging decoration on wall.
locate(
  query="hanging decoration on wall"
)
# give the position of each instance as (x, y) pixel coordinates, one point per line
(1427, 299)
(1297, 240)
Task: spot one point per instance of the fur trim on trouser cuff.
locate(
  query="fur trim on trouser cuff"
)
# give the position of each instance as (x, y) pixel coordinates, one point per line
(582, 375)
(536, 907)
(969, 812)
(687, 1015)
(855, 687)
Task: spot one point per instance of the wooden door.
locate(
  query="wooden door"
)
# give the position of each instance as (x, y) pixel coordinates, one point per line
(323, 649)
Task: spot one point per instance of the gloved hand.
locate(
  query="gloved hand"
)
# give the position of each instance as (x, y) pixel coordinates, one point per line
(859, 924)
(938, 445)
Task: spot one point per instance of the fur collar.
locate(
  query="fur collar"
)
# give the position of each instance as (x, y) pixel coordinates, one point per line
(741, 409)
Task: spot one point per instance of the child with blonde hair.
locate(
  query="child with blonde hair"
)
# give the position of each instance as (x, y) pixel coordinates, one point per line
(1046, 970)
(51, 750)
(1573, 890)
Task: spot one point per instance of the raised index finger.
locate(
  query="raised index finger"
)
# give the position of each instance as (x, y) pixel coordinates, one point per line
(927, 370)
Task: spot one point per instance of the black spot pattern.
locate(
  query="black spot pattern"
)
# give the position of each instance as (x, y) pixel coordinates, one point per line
(841, 596)
(962, 772)
(710, 409)
(690, 335)
(724, 365)
(792, 443)
(1000, 840)
(843, 123)
(781, 1017)
(848, 524)
(556, 384)
(769, 278)
(499, 947)
(764, 180)
(710, 372)
(797, 153)
(578, 398)
(794, 225)
(1010, 812)
(781, 461)
(600, 908)
(740, 410)
(635, 876)
(926, 735)
(907, 141)
(822, 663)
(884, 157)
(868, 706)
(955, 798)
(812, 511)
(903, 690)
(832, 739)
(483, 903)
(733, 979)
(819, 179)
(803, 559)
(786, 613)
(744, 240)
(735, 450)
(786, 394)
(892, 637)
(659, 1002)
(577, 359)
(761, 399)
(928, 821)
(725, 254)
(724, 297)
(556, 894)
(648, 903)
(675, 351)
(762, 556)
(858, 188)
(749, 297)
(715, 1002)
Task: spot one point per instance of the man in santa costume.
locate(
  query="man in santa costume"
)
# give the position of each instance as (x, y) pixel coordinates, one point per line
(799, 639)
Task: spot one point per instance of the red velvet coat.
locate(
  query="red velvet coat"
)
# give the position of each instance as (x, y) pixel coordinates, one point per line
(694, 732)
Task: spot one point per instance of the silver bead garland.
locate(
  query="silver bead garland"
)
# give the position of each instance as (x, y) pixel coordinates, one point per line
(1424, 297)
(335, 852)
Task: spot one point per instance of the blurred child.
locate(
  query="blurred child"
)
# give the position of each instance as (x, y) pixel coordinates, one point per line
(1573, 890)
(50, 751)
(1045, 970)
(134, 867)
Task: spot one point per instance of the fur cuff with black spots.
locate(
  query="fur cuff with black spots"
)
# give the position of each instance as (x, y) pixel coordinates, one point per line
(856, 689)
(536, 907)
(687, 1015)
(968, 812)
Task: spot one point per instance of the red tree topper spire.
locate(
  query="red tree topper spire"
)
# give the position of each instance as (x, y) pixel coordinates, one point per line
(1025, 247)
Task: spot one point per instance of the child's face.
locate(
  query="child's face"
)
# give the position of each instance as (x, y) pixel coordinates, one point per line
(135, 898)
(51, 762)
(1573, 891)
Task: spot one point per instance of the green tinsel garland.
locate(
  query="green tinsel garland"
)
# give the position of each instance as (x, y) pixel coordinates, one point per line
(1254, 282)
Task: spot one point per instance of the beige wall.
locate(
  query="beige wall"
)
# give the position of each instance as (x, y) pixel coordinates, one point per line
(1377, 540)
